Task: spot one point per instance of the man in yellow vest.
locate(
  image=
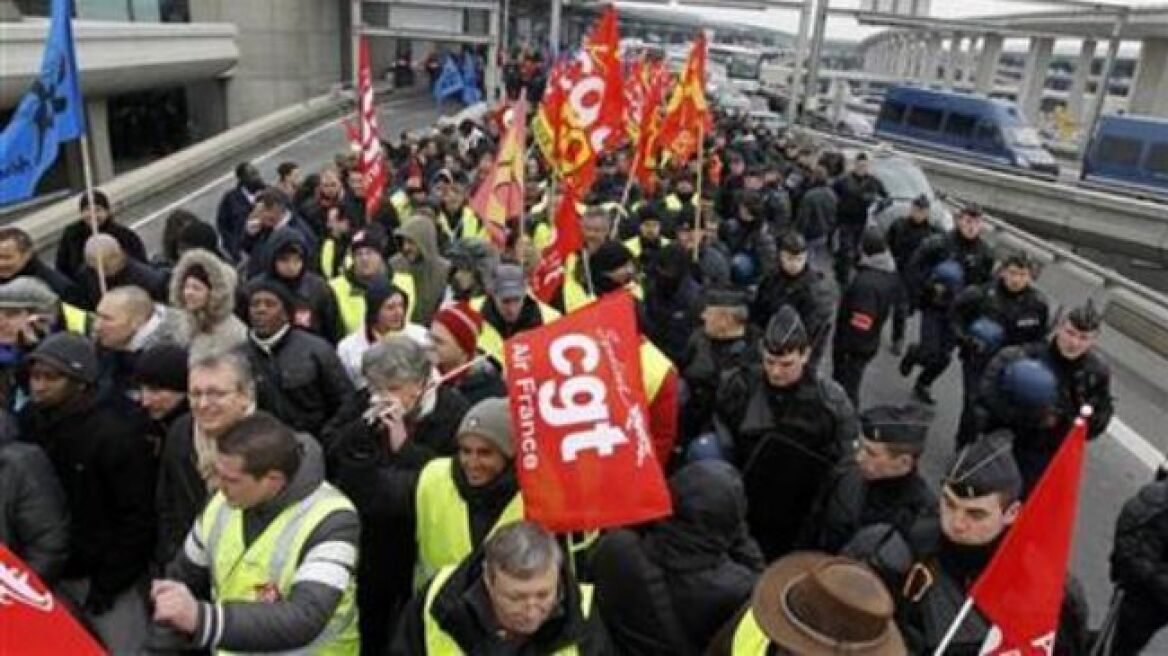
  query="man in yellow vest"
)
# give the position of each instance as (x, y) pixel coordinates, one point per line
(514, 596)
(461, 501)
(268, 566)
(647, 245)
(457, 219)
(814, 604)
(368, 265)
(510, 310)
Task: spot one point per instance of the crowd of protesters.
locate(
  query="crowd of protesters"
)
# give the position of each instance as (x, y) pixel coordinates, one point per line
(288, 430)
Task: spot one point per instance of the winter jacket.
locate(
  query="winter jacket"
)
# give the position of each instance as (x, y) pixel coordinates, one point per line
(63, 286)
(1139, 555)
(107, 473)
(259, 247)
(810, 293)
(754, 239)
(1023, 316)
(181, 492)
(299, 379)
(673, 315)
(703, 365)
(849, 503)
(786, 443)
(135, 273)
(34, 517)
(71, 248)
(230, 218)
(297, 619)
(215, 328)
(429, 272)
(975, 257)
(816, 217)
(116, 368)
(381, 485)
(866, 305)
(462, 608)
(855, 194)
(315, 305)
(482, 381)
(904, 237)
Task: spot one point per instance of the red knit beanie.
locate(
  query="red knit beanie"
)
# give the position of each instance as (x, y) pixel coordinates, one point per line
(463, 323)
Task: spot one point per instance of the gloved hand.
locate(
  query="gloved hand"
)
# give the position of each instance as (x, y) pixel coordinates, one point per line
(98, 603)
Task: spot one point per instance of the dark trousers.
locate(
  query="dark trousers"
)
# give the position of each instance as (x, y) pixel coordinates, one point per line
(1140, 618)
(936, 347)
(848, 238)
(967, 426)
(847, 369)
(902, 311)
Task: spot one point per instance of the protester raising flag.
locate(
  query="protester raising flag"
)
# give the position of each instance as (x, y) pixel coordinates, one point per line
(50, 113)
(501, 194)
(687, 116)
(372, 160)
(548, 276)
(582, 113)
(449, 81)
(1021, 591)
(584, 457)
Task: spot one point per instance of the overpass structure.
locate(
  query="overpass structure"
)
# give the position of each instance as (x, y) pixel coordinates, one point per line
(947, 52)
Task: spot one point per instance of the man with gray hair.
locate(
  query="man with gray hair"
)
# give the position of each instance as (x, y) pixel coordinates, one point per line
(119, 271)
(403, 419)
(516, 594)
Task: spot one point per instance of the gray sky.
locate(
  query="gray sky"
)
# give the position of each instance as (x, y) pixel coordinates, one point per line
(839, 27)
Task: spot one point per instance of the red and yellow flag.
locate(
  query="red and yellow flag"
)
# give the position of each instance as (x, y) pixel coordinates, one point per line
(687, 116)
(501, 194)
(652, 79)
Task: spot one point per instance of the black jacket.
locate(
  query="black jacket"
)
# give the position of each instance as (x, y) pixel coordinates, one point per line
(816, 216)
(1024, 316)
(135, 273)
(672, 314)
(904, 237)
(381, 485)
(975, 257)
(866, 305)
(855, 194)
(230, 219)
(315, 303)
(481, 381)
(809, 293)
(751, 238)
(1139, 557)
(463, 610)
(34, 517)
(786, 443)
(850, 503)
(71, 248)
(181, 492)
(300, 380)
(703, 365)
(107, 473)
(64, 287)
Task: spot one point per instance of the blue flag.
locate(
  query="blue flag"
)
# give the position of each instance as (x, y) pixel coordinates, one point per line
(50, 112)
(470, 80)
(449, 81)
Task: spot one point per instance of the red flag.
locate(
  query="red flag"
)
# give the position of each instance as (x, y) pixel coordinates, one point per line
(687, 109)
(548, 276)
(1021, 591)
(584, 456)
(501, 194)
(655, 80)
(582, 113)
(32, 620)
(372, 162)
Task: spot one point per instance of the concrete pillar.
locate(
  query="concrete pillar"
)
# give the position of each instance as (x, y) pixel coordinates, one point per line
(492, 80)
(987, 63)
(554, 28)
(1079, 82)
(954, 61)
(969, 60)
(1034, 77)
(97, 125)
(933, 58)
(1149, 94)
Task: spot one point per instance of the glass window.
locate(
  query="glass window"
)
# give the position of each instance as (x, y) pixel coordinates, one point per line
(988, 133)
(1158, 158)
(892, 112)
(960, 125)
(1120, 151)
(924, 118)
(375, 14)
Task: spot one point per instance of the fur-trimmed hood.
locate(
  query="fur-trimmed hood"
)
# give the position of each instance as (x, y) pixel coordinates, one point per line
(222, 279)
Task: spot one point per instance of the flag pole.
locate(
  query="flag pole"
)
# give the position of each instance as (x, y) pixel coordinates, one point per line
(628, 189)
(698, 191)
(87, 175)
(952, 632)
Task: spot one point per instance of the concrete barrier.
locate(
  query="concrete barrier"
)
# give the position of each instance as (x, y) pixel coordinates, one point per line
(224, 149)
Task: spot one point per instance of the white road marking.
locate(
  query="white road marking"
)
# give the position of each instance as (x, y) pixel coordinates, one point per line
(1135, 444)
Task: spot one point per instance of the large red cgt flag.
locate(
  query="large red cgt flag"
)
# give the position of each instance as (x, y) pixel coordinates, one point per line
(583, 452)
(548, 276)
(1021, 591)
(32, 620)
(687, 116)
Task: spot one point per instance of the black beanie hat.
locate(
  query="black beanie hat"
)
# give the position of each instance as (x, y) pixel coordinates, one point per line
(163, 366)
(99, 199)
(275, 288)
(610, 256)
(198, 235)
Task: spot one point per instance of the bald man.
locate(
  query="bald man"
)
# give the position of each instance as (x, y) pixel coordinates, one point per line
(119, 270)
(128, 322)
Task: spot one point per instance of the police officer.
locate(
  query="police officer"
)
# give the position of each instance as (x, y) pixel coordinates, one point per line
(274, 532)
(1139, 567)
(931, 568)
(880, 485)
(1008, 311)
(855, 192)
(1038, 389)
(803, 287)
(904, 237)
(460, 501)
(786, 427)
(941, 268)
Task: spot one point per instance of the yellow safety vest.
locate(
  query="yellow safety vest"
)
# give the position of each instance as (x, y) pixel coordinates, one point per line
(401, 204)
(470, 227)
(749, 640)
(351, 300)
(576, 295)
(674, 204)
(634, 245)
(655, 366)
(76, 320)
(239, 571)
(443, 520)
(491, 342)
(328, 258)
(439, 643)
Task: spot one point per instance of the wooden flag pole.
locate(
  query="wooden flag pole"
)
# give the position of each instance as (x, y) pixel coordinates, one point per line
(628, 190)
(698, 191)
(87, 174)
